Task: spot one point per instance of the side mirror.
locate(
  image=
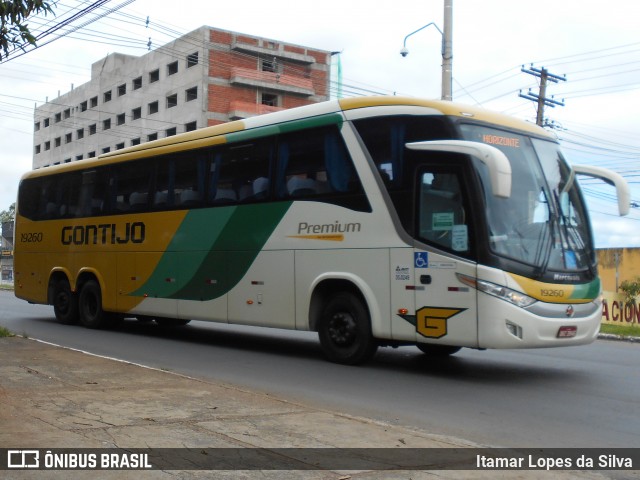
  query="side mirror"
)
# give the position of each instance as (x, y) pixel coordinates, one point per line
(496, 161)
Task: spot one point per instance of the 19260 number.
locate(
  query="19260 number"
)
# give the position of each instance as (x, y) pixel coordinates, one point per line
(31, 237)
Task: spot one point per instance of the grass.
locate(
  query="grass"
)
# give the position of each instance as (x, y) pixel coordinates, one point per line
(622, 330)
(5, 333)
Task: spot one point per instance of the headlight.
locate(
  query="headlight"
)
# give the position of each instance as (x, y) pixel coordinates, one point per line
(511, 296)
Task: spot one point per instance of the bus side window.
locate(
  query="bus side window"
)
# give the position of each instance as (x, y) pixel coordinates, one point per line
(301, 165)
(246, 169)
(163, 197)
(31, 202)
(130, 186)
(189, 179)
(86, 200)
(316, 165)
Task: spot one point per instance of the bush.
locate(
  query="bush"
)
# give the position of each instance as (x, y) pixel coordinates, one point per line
(631, 290)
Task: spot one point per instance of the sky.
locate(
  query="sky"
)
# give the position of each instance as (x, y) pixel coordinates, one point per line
(596, 45)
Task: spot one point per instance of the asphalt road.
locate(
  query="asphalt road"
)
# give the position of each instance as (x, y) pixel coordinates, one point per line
(566, 397)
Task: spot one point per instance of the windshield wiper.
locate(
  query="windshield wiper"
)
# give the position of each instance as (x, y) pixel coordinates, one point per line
(570, 237)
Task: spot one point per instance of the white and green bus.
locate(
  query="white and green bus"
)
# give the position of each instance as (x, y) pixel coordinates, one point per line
(379, 221)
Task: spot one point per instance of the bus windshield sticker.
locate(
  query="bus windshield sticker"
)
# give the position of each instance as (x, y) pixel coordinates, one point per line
(442, 221)
(460, 238)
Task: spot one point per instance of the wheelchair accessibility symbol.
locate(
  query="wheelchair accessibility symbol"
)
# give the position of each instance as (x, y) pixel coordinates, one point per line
(421, 259)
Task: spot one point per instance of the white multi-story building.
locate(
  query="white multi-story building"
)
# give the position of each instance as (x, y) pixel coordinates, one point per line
(206, 77)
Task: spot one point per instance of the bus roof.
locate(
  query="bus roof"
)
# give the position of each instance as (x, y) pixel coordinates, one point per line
(218, 134)
(446, 108)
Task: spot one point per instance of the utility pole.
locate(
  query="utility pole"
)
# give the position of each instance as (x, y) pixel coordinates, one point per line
(541, 98)
(447, 51)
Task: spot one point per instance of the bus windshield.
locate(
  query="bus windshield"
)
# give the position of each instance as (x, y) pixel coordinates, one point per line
(543, 223)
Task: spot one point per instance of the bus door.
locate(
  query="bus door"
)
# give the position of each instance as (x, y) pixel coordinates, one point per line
(446, 309)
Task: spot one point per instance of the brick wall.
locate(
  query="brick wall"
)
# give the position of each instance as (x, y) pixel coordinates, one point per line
(222, 61)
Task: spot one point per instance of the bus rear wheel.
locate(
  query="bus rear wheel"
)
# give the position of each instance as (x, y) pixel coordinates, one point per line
(65, 303)
(90, 306)
(345, 330)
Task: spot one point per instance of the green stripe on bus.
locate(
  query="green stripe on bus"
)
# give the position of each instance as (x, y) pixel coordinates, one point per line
(286, 127)
(234, 251)
(217, 247)
(587, 291)
(196, 235)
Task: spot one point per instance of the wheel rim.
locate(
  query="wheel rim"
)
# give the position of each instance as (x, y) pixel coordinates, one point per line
(342, 329)
(91, 306)
(63, 302)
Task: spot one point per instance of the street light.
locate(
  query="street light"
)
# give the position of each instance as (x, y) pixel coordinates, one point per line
(447, 49)
(405, 51)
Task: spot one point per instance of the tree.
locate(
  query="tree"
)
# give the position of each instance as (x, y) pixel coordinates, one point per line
(631, 290)
(14, 32)
(8, 215)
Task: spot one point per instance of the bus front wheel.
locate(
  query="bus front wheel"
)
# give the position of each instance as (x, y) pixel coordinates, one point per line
(65, 303)
(90, 306)
(345, 330)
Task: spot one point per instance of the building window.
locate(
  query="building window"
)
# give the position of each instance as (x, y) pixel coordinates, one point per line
(172, 68)
(153, 136)
(106, 97)
(47, 146)
(67, 160)
(67, 113)
(122, 89)
(80, 133)
(136, 113)
(172, 100)
(190, 94)
(120, 146)
(120, 119)
(268, 65)
(171, 131)
(106, 150)
(68, 138)
(79, 157)
(154, 76)
(58, 117)
(57, 142)
(269, 99)
(94, 102)
(91, 154)
(137, 83)
(92, 129)
(37, 126)
(135, 141)
(106, 124)
(192, 60)
(37, 149)
(46, 122)
(190, 127)
(83, 106)
(153, 108)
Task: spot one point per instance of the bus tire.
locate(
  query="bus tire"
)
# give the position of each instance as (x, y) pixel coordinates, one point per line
(65, 303)
(90, 306)
(345, 330)
(437, 350)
